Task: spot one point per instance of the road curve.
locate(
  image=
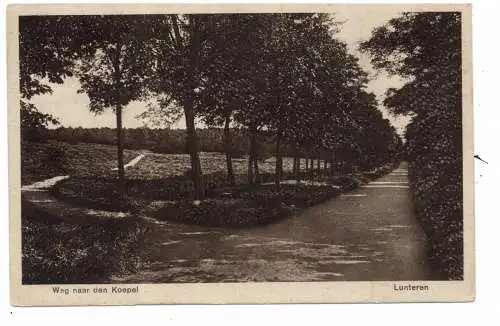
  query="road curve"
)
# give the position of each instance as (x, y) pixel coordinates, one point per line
(369, 234)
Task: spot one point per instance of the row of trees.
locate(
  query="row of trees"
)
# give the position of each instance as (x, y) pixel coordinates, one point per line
(282, 74)
(425, 48)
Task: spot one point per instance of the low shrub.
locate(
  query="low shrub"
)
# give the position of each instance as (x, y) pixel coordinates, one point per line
(63, 253)
(102, 193)
(222, 213)
(379, 171)
(346, 183)
(245, 206)
(95, 193)
(297, 195)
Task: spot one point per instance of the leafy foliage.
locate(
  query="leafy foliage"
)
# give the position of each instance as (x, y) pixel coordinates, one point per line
(45, 55)
(31, 118)
(113, 68)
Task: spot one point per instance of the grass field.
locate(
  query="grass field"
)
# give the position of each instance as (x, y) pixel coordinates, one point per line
(53, 158)
(41, 161)
(156, 166)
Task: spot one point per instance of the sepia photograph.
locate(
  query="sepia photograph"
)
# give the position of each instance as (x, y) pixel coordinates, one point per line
(232, 146)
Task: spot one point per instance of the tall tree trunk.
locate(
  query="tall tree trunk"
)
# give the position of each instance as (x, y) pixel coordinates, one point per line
(229, 161)
(297, 167)
(250, 168)
(334, 165)
(256, 167)
(254, 155)
(121, 167)
(294, 165)
(251, 156)
(279, 160)
(193, 150)
(189, 106)
(307, 167)
(119, 131)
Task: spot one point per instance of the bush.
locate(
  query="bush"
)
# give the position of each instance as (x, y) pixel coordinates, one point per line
(223, 212)
(64, 253)
(379, 171)
(245, 206)
(98, 193)
(297, 195)
(102, 192)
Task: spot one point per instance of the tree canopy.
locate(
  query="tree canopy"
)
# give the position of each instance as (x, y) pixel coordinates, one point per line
(283, 74)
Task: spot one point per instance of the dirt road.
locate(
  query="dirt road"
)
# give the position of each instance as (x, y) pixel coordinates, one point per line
(366, 235)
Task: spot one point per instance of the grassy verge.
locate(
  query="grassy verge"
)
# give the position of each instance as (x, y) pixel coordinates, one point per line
(43, 160)
(63, 253)
(160, 166)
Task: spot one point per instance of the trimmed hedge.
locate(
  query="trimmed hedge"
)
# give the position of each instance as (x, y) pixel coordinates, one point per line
(435, 174)
(102, 192)
(296, 195)
(222, 213)
(254, 205)
(245, 206)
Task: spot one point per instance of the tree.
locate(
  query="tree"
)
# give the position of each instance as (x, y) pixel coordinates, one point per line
(114, 63)
(255, 87)
(227, 74)
(408, 46)
(378, 140)
(315, 83)
(178, 47)
(45, 55)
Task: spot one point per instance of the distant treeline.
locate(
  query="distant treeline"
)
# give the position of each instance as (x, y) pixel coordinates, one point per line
(167, 141)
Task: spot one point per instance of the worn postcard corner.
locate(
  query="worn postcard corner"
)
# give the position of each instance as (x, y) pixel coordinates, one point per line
(209, 154)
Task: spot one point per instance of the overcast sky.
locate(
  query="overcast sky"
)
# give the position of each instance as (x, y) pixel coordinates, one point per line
(72, 108)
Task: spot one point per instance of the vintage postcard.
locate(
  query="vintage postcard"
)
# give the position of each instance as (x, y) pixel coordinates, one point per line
(173, 154)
